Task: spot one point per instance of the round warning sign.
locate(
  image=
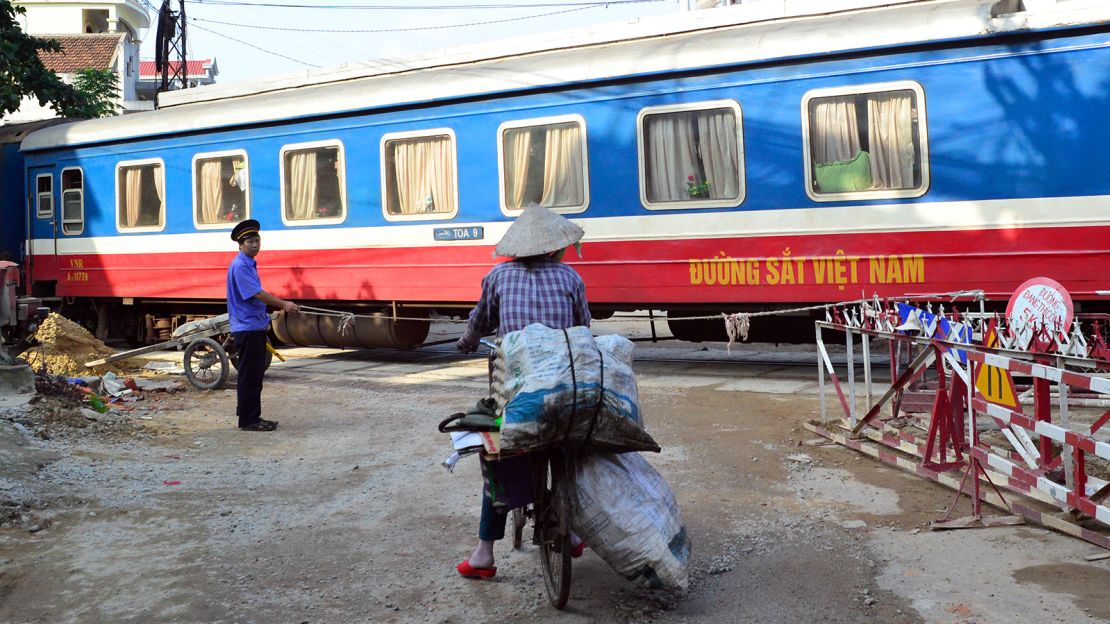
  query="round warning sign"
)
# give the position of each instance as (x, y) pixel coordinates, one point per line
(1042, 300)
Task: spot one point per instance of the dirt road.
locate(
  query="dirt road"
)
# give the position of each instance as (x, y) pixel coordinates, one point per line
(345, 515)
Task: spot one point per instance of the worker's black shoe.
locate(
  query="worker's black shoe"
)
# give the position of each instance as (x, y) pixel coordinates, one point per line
(261, 425)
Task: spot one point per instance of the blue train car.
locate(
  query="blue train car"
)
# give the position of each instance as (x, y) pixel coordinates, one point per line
(718, 160)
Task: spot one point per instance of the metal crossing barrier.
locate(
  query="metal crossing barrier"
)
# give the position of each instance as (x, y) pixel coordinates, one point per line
(954, 412)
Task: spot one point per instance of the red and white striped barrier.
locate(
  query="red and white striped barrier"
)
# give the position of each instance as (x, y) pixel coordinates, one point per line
(1046, 476)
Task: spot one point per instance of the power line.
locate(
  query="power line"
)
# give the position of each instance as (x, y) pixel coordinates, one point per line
(239, 41)
(574, 6)
(388, 30)
(251, 45)
(422, 7)
(292, 40)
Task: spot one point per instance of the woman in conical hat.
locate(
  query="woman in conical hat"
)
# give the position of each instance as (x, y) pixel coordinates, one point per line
(534, 287)
(537, 232)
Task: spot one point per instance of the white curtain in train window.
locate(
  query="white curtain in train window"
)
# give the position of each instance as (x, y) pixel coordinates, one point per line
(835, 132)
(719, 153)
(672, 156)
(159, 182)
(518, 153)
(133, 195)
(301, 177)
(562, 173)
(425, 173)
(890, 133)
(210, 191)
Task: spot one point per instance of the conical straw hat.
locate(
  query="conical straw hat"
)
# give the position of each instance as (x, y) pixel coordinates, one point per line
(538, 231)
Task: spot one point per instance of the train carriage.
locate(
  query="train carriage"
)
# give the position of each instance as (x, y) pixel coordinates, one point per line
(719, 160)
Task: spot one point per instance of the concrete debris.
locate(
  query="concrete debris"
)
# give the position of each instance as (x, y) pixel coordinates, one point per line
(165, 367)
(157, 386)
(16, 379)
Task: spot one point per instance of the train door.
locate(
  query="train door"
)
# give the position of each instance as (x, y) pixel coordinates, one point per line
(42, 217)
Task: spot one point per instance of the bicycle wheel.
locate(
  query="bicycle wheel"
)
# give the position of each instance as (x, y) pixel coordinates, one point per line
(553, 525)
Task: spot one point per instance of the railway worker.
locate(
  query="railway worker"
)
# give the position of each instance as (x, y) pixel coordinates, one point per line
(246, 309)
(534, 287)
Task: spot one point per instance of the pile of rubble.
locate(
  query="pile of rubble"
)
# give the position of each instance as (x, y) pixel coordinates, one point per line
(67, 395)
(64, 347)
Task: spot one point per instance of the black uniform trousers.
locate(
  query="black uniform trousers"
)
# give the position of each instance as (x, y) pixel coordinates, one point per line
(250, 347)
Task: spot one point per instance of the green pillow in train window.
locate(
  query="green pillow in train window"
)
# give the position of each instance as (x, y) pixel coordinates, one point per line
(844, 175)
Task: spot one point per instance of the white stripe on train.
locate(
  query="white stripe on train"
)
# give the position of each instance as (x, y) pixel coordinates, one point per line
(1051, 212)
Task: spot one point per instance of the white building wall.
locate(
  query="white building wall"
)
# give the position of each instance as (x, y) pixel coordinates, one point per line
(29, 110)
(127, 68)
(53, 20)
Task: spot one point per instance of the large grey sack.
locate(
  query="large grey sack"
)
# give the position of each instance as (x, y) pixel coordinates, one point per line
(562, 387)
(625, 511)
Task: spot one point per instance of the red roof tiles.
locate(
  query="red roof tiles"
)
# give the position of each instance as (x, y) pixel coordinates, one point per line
(197, 68)
(82, 52)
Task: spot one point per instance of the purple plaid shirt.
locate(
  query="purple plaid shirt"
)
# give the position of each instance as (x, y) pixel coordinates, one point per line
(516, 294)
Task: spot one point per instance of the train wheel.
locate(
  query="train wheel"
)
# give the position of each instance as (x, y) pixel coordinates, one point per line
(206, 364)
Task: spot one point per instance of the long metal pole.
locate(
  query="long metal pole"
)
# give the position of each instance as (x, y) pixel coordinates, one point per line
(184, 60)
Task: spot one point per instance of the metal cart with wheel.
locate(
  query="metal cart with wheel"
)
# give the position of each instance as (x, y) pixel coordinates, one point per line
(209, 352)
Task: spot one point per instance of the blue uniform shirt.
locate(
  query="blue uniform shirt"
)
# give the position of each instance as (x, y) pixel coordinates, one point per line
(246, 313)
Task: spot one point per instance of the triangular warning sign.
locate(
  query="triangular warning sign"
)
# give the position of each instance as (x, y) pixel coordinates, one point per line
(995, 384)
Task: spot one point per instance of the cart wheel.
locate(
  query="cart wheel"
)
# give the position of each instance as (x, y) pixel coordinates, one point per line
(234, 357)
(206, 364)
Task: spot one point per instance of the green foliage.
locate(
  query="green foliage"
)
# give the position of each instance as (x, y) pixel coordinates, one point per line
(22, 74)
(99, 88)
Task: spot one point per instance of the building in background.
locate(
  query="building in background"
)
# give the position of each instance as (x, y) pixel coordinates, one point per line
(199, 72)
(94, 34)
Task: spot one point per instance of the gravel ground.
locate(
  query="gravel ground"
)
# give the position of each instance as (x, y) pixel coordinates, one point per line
(169, 514)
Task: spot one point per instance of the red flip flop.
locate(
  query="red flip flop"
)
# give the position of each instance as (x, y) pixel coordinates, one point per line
(577, 551)
(469, 571)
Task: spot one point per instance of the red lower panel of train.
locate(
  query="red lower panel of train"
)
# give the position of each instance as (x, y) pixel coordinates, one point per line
(778, 269)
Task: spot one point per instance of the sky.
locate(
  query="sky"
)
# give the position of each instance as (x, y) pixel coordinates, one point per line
(253, 38)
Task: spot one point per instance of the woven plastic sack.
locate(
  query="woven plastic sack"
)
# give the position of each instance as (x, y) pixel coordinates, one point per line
(625, 511)
(561, 387)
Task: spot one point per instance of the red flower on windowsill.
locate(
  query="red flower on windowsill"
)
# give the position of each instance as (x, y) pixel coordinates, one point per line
(695, 189)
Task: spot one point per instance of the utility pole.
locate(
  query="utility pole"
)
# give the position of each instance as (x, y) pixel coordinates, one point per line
(169, 47)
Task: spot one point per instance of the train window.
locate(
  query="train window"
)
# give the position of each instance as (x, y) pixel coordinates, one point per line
(419, 176)
(221, 189)
(543, 161)
(73, 201)
(865, 142)
(313, 182)
(44, 196)
(140, 196)
(691, 155)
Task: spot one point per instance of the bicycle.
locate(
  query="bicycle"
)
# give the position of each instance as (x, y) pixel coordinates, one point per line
(552, 485)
